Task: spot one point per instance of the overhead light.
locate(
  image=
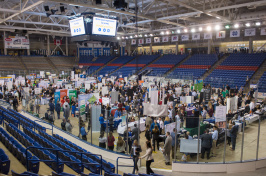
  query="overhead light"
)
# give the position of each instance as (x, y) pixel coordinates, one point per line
(218, 17)
(200, 28)
(167, 32)
(209, 28)
(126, 37)
(146, 35)
(236, 26)
(162, 33)
(118, 38)
(193, 30)
(247, 24)
(140, 35)
(123, 37)
(136, 36)
(217, 27)
(257, 23)
(185, 30)
(227, 26)
(178, 31)
(173, 32)
(131, 36)
(151, 34)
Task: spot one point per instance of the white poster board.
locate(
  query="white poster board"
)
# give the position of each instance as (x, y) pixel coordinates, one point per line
(105, 100)
(68, 86)
(104, 90)
(178, 90)
(103, 81)
(99, 86)
(220, 114)
(42, 75)
(87, 86)
(169, 127)
(189, 146)
(38, 91)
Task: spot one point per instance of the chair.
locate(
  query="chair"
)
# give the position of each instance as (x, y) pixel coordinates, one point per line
(16, 174)
(62, 174)
(4, 164)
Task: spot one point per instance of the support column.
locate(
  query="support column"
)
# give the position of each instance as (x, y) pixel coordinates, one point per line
(5, 50)
(150, 48)
(48, 46)
(66, 46)
(250, 46)
(28, 50)
(176, 48)
(209, 46)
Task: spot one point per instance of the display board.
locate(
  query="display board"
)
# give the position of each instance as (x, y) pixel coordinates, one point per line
(17, 42)
(77, 26)
(104, 26)
(189, 146)
(220, 113)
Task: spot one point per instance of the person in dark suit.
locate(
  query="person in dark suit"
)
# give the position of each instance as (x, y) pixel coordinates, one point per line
(206, 144)
(135, 133)
(233, 135)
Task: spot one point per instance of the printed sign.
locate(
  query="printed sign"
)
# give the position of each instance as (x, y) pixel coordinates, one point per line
(250, 32)
(220, 34)
(174, 38)
(133, 42)
(207, 35)
(156, 39)
(141, 41)
(220, 114)
(185, 37)
(148, 40)
(165, 39)
(263, 31)
(15, 42)
(195, 36)
(235, 33)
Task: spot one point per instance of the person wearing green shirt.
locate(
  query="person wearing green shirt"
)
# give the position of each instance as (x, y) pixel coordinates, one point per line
(224, 93)
(227, 91)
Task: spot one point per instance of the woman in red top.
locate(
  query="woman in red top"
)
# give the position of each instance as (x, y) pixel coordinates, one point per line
(111, 140)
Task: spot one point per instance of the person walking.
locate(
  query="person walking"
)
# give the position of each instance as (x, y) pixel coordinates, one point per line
(101, 119)
(148, 133)
(83, 132)
(214, 140)
(174, 142)
(58, 109)
(66, 111)
(69, 126)
(167, 148)
(135, 153)
(121, 145)
(149, 158)
(102, 140)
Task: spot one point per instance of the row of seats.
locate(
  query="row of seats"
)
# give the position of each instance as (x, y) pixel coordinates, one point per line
(27, 141)
(18, 151)
(107, 166)
(4, 162)
(241, 59)
(201, 59)
(262, 83)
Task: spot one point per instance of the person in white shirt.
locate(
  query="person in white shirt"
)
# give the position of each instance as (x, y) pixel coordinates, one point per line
(252, 105)
(204, 113)
(214, 140)
(194, 93)
(161, 123)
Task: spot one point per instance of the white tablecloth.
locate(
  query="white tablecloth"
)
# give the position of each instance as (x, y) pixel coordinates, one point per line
(121, 129)
(250, 119)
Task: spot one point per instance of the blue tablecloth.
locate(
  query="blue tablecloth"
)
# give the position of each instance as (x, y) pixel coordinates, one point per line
(116, 123)
(210, 120)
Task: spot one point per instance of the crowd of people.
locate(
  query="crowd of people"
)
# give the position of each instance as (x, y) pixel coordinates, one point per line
(131, 98)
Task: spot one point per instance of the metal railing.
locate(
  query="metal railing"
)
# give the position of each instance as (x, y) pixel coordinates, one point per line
(123, 165)
(52, 129)
(57, 158)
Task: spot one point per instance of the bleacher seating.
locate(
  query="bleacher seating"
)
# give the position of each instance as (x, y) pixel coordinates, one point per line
(164, 64)
(36, 63)
(4, 162)
(262, 83)
(195, 66)
(10, 63)
(94, 65)
(63, 62)
(131, 67)
(235, 69)
(115, 64)
(23, 174)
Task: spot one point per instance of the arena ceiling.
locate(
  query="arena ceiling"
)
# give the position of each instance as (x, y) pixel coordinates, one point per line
(153, 15)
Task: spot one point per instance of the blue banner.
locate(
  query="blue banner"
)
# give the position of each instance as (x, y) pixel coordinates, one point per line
(56, 97)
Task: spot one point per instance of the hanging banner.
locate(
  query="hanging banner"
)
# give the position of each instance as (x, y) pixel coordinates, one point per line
(235, 33)
(165, 39)
(220, 34)
(124, 44)
(141, 41)
(16, 42)
(185, 37)
(56, 97)
(195, 36)
(57, 42)
(38, 91)
(208, 36)
(263, 31)
(156, 39)
(174, 38)
(250, 32)
(148, 40)
(83, 100)
(72, 93)
(105, 101)
(133, 42)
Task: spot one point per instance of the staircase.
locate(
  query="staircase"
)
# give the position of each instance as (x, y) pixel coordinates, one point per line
(104, 65)
(122, 65)
(215, 65)
(178, 64)
(256, 76)
(52, 65)
(149, 64)
(23, 64)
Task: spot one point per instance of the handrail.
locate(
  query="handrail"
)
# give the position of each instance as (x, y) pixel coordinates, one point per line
(43, 126)
(57, 158)
(123, 165)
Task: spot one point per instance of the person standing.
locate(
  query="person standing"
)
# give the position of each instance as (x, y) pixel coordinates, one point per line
(111, 140)
(167, 148)
(69, 126)
(206, 144)
(66, 111)
(233, 134)
(15, 104)
(101, 119)
(174, 142)
(214, 140)
(155, 137)
(83, 132)
(51, 107)
(148, 133)
(102, 140)
(149, 158)
(37, 105)
(135, 153)
(135, 133)
(58, 109)
(121, 145)
(63, 124)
